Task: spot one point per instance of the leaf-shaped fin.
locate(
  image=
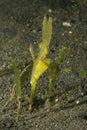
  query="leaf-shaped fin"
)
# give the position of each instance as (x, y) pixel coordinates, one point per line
(39, 68)
(47, 62)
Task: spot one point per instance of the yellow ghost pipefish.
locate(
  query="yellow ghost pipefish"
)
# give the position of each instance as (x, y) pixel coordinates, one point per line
(41, 62)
